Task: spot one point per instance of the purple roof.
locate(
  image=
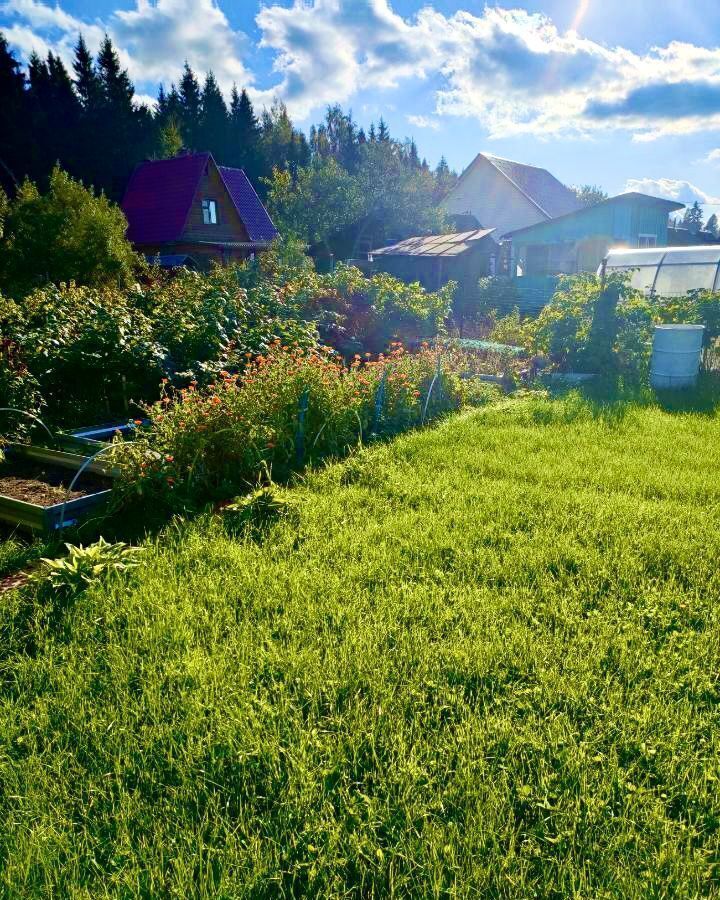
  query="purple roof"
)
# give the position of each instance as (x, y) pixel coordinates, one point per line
(249, 206)
(160, 193)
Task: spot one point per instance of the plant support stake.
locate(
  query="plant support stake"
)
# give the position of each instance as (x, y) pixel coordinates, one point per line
(379, 401)
(303, 403)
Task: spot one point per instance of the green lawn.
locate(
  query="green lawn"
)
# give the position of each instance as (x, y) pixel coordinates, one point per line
(481, 661)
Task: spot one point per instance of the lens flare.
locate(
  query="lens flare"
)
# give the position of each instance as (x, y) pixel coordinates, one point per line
(582, 10)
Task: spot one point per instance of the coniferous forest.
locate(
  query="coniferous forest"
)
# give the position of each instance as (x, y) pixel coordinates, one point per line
(329, 186)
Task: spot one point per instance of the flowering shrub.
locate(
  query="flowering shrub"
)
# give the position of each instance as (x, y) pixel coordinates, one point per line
(289, 407)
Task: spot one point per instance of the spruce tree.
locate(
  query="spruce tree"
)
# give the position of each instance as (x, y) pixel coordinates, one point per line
(15, 123)
(87, 82)
(214, 119)
(190, 108)
(712, 225)
(244, 136)
(125, 133)
(56, 115)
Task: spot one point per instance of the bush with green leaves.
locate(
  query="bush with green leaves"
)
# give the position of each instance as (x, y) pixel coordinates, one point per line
(66, 234)
(91, 350)
(84, 566)
(359, 314)
(494, 293)
(568, 330)
(208, 321)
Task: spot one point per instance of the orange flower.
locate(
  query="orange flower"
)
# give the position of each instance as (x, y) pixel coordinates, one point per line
(169, 458)
(137, 421)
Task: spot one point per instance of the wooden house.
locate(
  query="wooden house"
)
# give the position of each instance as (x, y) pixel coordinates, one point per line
(579, 241)
(191, 210)
(506, 195)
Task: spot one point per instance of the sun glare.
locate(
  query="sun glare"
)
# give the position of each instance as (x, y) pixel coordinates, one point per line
(582, 9)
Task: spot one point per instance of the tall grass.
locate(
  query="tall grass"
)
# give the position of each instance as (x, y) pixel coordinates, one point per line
(479, 661)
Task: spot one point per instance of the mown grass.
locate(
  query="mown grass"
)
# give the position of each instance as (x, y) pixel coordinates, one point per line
(482, 660)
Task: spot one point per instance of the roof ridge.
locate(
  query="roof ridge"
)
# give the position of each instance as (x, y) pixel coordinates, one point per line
(515, 184)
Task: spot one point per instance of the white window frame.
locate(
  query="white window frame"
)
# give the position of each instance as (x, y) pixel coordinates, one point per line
(209, 212)
(647, 241)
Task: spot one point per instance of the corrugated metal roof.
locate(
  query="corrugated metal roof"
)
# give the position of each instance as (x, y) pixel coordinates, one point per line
(158, 199)
(435, 244)
(545, 191)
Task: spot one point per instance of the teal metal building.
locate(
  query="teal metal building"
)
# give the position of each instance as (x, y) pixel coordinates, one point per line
(579, 241)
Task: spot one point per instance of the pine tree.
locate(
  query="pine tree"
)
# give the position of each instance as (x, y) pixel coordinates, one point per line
(190, 108)
(712, 225)
(383, 134)
(372, 137)
(214, 119)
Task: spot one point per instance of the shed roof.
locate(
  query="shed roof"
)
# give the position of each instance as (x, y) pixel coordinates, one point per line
(160, 193)
(631, 196)
(436, 244)
(538, 185)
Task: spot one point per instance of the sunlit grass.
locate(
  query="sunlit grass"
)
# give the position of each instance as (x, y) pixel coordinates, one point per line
(481, 660)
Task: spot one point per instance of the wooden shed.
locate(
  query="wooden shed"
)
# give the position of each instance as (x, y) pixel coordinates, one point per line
(436, 259)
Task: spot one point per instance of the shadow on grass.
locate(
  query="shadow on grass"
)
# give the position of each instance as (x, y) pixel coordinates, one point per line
(612, 399)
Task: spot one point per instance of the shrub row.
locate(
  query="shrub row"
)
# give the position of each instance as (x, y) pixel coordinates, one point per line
(82, 354)
(291, 406)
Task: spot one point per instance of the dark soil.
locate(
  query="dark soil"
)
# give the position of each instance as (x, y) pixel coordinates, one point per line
(44, 484)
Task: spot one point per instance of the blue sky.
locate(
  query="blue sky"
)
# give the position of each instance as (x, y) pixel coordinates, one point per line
(621, 93)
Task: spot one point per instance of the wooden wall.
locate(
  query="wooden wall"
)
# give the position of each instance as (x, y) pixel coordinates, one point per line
(229, 225)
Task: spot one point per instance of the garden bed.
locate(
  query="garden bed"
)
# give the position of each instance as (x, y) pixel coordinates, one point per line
(45, 485)
(35, 488)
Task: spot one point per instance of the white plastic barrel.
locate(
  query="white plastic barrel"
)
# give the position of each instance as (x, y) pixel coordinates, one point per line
(676, 356)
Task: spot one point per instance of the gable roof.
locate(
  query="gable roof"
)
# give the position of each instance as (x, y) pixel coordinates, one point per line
(435, 244)
(160, 193)
(633, 196)
(249, 206)
(541, 188)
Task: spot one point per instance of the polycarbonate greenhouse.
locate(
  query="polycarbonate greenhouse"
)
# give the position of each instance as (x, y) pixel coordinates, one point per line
(668, 271)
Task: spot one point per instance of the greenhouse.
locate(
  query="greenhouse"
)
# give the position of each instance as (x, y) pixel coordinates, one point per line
(667, 271)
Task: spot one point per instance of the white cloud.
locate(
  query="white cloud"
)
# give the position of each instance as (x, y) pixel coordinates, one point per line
(513, 71)
(713, 156)
(424, 122)
(153, 40)
(672, 189)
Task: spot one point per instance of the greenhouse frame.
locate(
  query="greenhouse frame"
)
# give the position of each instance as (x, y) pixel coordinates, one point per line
(667, 271)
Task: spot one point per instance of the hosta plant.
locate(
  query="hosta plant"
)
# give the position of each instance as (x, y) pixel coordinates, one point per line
(86, 565)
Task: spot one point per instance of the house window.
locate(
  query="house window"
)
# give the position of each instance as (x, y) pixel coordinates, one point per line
(647, 240)
(209, 211)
